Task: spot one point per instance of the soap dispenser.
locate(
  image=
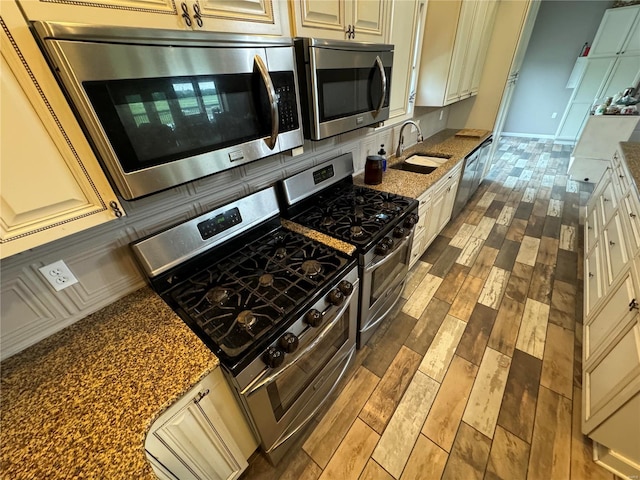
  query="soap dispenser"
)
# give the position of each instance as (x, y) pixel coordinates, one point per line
(383, 154)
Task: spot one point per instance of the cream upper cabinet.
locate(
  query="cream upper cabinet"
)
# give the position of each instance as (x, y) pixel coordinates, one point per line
(618, 34)
(51, 182)
(232, 16)
(406, 56)
(455, 44)
(341, 19)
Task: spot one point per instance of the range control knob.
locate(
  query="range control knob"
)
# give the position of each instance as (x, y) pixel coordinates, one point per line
(382, 249)
(273, 357)
(399, 232)
(410, 221)
(289, 342)
(313, 317)
(335, 297)
(345, 287)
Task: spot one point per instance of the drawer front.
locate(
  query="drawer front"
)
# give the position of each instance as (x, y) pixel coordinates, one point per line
(416, 247)
(614, 247)
(591, 230)
(608, 203)
(593, 279)
(631, 211)
(600, 330)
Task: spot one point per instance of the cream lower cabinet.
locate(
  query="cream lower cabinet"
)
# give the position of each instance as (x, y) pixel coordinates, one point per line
(235, 16)
(341, 19)
(611, 344)
(51, 182)
(434, 211)
(204, 435)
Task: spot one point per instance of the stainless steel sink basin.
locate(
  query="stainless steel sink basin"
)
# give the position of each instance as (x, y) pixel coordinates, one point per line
(421, 163)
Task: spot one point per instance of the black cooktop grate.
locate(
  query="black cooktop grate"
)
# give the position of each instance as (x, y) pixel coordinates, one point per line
(238, 300)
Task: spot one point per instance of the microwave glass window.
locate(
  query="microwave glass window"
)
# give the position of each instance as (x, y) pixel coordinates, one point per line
(345, 92)
(158, 120)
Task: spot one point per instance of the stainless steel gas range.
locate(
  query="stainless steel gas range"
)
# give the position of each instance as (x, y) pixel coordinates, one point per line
(379, 224)
(277, 308)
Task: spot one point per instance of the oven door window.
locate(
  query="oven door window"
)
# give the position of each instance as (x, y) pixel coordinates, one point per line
(389, 274)
(343, 92)
(288, 387)
(154, 121)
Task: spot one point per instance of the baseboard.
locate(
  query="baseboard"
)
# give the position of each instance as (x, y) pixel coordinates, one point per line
(527, 135)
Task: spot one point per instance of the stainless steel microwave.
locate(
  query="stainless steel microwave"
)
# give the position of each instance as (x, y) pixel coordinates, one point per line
(164, 107)
(344, 85)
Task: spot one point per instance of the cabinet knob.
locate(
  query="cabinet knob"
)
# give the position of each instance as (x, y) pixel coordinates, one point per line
(605, 199)
(200, 396)
(633, 305)
(197, 15)
(590, 275)
(185, 14)
(612, 243)
(632, 215)
(589, 228)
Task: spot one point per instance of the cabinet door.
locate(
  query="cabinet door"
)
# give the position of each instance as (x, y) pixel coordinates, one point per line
(593, 280)
(319, 18)
(368, 19)
(625, 73)
(437, 206)
(473, 48)
(613, 32)
(460, 47)
(236, 16)
(193, 439)
(631, 211)
(408, 44)
(615, 249)
(487, 29)
(591, 229)
(450, 196)
(632, 46)
(51, 182)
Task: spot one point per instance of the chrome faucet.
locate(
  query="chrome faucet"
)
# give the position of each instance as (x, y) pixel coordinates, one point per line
(400, 148)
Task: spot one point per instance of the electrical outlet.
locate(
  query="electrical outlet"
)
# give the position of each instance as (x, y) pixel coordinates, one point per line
(554, 114)
(58, 275)
(441, 114)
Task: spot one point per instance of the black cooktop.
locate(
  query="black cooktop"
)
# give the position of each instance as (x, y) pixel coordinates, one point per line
(357, 215)
(238, 301)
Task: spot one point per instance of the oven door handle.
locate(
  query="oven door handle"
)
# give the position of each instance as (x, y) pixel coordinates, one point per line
(262, 381)
(384, 260)
(384, 85)
(273, 102)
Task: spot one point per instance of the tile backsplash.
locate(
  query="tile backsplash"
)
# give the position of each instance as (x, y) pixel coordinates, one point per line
(100, 257)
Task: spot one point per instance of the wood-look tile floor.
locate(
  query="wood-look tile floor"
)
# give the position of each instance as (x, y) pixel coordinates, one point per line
(478, 375)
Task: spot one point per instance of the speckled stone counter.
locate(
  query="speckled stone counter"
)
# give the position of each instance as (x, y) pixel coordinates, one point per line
(79, 403)
(412, 184)
(339, 245)
(631, 152)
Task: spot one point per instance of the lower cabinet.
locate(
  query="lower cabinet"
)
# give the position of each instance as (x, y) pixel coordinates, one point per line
(611, 345)
(204, 435)
(434, 211)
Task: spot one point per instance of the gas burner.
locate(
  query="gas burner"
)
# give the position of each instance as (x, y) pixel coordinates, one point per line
(311, 267)
(359, 200)
(265, 280)
(358, 212)
(246, 319)
(357, 231)
(280, 253)
(217, 295)
(327, 221)
(387, 205)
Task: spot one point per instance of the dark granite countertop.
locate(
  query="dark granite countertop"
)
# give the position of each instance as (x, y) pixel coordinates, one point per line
(79, 403)
(412, 184)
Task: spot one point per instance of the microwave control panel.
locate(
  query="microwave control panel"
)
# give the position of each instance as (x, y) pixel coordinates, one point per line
(287, 101)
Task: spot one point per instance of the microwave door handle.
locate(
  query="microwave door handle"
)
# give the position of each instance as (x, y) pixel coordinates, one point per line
(273, 102)
(383, 92)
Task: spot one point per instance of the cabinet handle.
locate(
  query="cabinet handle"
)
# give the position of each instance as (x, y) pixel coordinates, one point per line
(589, 228)
(200, 396)
(351, 31)
(632, 215)
(605, 199)
(633, 305)
(611, 243)
(590, 275)
(197, 14)
(185, 14)
(116, 208)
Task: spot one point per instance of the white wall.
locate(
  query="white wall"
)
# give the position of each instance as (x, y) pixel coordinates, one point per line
(560, 31)
(101, 259)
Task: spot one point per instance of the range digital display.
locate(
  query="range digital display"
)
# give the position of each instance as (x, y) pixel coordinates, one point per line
(323, 174)
(221, 222)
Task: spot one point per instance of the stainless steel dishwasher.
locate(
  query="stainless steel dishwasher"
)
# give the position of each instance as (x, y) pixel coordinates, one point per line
(473, 169)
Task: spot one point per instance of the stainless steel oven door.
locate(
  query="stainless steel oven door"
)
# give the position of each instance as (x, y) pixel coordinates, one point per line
(282, 401)
(382, 285)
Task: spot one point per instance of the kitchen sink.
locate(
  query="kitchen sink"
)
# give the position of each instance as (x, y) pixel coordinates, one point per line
(421, 163)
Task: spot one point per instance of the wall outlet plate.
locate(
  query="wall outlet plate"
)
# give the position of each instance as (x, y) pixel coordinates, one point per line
(58, 275)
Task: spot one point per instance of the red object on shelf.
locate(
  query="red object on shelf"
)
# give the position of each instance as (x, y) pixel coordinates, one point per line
(586, 51)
